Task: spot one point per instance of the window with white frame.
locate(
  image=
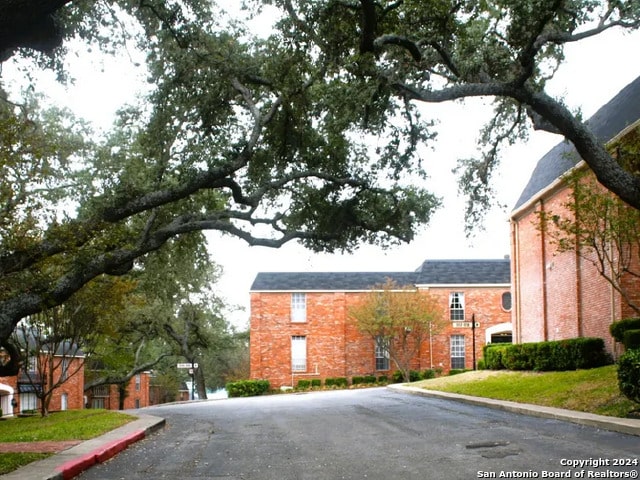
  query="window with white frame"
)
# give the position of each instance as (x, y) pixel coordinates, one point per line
(457, 351)
(382, 353)
(298, 307)
(64, 369)
(456, 306)
(28, 401)
(506, 301)
(299, 353)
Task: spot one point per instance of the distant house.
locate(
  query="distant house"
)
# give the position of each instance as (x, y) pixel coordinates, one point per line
(108, 396)
(21, 389)
(300, 329)
(558, 294)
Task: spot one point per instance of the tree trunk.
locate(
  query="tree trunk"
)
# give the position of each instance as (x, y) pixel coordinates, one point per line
(122, 394)
(200, 383)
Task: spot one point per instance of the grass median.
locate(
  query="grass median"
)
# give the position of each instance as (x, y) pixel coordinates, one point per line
(59, 426)
(594, 391)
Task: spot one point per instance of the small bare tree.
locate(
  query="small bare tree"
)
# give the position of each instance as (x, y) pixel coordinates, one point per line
(398, 319)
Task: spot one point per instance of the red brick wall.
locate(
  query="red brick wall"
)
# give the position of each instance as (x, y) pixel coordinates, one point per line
(335, 346)
(558, 295)
(141, 395)
(73, 387)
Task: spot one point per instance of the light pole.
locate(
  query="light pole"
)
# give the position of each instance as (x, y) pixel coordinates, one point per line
(473, 337)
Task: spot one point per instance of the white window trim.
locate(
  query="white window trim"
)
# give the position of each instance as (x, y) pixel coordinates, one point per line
(298, 353)
(298, 307)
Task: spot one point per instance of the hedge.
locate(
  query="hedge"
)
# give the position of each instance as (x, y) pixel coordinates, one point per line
(631, 339)
(335, 382)
(247, 388)
(618, 328)
(629, 374)
(557, 355)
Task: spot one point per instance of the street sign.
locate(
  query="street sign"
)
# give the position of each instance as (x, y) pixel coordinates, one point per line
(187, 365)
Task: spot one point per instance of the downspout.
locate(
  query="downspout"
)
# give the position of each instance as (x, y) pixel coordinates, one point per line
(545, 306)
(579, 326)
(517, 312)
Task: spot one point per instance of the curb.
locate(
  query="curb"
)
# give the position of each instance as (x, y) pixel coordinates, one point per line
(628, 426)
(75, 460)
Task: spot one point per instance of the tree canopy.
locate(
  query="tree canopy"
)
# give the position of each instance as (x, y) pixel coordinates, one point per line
(308, 134)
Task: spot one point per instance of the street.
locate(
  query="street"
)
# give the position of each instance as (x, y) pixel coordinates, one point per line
(371, 433)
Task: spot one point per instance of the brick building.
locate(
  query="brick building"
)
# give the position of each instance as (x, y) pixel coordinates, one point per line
(108, 396)
(300, 327)
(68, 396)
(559, 294)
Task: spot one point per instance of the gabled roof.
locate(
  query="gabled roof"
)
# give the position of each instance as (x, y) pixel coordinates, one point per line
(621, 111)
(465, 272)
(431, 272)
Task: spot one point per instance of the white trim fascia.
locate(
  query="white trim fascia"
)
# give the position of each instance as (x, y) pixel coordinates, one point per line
(543, 192)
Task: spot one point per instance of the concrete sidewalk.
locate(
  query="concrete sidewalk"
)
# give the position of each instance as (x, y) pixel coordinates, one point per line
(620, 425)
(71, 462)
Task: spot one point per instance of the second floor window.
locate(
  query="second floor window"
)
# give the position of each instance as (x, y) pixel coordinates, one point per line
(456, 306)
(298, 307)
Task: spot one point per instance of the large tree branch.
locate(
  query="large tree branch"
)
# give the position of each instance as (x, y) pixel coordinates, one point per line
(29, 24)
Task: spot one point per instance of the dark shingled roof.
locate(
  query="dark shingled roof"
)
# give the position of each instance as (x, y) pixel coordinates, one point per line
(431, 272)
(464, 272)
(324, 281)
(623, 110)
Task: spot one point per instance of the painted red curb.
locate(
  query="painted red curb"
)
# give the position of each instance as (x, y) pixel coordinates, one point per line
(78, 465)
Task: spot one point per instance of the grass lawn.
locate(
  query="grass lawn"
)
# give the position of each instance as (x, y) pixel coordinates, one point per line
(594, 391)
(68, 425)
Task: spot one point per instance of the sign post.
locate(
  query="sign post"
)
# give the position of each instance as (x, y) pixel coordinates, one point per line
(192, 371)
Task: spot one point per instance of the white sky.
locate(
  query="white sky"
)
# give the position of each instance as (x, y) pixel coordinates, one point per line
(594, 72)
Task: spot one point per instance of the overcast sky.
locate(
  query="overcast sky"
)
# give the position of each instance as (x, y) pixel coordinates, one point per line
(594, 72)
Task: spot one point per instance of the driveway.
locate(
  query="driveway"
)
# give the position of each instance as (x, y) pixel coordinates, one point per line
(374, 434)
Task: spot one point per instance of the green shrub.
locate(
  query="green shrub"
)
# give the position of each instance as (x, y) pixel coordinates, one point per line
(247, 388)
(357, 380)
(481, 365)
(427, 374)
(369, 379)
(304, 384)
(629, 374)
(631, 339)
(336, 382)
(457, 371)
(618, 328)
(493, 356)
(383, 379)
(571, 354)
(316, 382)
(517, 357)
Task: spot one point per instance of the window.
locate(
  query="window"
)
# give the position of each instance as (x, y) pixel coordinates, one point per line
(298, 307)
(456, 306)
(299, 353)
(28, 401)
(64, 369)
(457, 351)
(137, 382)
(382, 353)
(506, 301)
(64, 401)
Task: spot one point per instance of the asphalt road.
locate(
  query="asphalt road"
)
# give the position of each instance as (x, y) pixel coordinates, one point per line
(372, 434)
